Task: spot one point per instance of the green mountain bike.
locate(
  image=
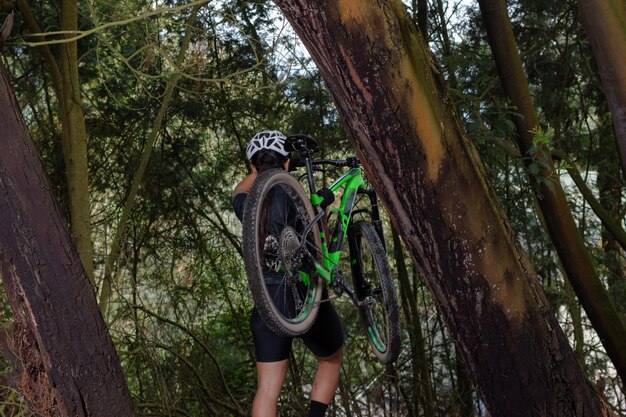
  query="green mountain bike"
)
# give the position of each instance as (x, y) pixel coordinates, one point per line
(292, 259)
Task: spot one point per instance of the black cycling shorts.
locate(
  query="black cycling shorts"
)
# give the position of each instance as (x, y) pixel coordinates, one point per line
(324, 338)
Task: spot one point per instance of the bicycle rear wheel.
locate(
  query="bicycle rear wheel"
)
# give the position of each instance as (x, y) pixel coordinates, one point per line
(278, 258)
(375, 291)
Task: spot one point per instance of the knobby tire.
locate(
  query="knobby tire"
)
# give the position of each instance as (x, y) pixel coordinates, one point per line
(371, 277)
(287, 304)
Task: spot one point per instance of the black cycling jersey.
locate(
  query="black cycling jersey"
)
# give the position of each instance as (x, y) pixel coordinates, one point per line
(326, 335)
(282, 209)
(239, 203)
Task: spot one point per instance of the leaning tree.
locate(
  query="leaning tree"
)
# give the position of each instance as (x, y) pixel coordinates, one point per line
(394, 104)
(66, 360)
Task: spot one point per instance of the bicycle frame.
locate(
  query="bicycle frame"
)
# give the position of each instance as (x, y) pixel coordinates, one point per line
(354, 184)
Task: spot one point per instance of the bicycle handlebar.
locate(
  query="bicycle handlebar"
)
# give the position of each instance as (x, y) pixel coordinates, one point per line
(350, 161)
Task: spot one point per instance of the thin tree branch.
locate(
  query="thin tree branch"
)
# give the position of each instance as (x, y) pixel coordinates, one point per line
(83, 33)
(197, 340)
(55, 72)
(117, 244)
(605, 217)
(196, 372)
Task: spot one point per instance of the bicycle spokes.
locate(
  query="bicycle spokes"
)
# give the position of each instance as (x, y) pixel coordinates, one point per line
(277, 253)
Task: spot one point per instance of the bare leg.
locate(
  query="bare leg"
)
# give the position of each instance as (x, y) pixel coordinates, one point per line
(271, 376)
(326, 377)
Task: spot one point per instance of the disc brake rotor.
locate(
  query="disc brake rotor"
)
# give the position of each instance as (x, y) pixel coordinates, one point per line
(270, 253)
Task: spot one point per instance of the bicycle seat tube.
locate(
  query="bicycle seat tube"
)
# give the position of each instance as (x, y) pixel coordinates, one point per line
(309, 174)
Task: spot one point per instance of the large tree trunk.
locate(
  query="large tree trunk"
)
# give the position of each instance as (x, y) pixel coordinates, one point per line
(70, 367)
(575, 257)
(604, 22)
(394, 104)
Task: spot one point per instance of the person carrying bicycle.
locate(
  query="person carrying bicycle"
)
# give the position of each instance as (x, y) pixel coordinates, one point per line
(324, 339)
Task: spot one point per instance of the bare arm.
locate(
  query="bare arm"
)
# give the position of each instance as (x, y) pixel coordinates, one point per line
(245, 184)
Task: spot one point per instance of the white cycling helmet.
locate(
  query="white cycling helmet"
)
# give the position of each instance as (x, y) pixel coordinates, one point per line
(267, 140)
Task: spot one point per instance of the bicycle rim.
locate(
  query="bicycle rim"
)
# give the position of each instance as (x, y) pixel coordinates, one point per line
(279, 259)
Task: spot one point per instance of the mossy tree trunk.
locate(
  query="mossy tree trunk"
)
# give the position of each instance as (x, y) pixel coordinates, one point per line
(575, 258)
(75, 144)
(394, 104)
(69, 366)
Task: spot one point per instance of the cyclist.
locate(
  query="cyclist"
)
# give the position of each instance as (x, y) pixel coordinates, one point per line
(265, 151)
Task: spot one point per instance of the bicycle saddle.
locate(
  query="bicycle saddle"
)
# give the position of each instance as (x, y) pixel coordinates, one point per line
(302, 143)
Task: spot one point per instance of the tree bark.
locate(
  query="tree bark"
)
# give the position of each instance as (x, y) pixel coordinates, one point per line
(70, 367)
(567, 240)
(395, 107)
(604, 22)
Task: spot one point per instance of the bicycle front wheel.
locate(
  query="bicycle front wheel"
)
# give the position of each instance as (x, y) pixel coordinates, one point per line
(375, 291)
(279, 258)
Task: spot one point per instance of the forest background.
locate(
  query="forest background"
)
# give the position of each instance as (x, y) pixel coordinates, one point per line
(162, 98)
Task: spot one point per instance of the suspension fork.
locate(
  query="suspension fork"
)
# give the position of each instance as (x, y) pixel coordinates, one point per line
(374, 212)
